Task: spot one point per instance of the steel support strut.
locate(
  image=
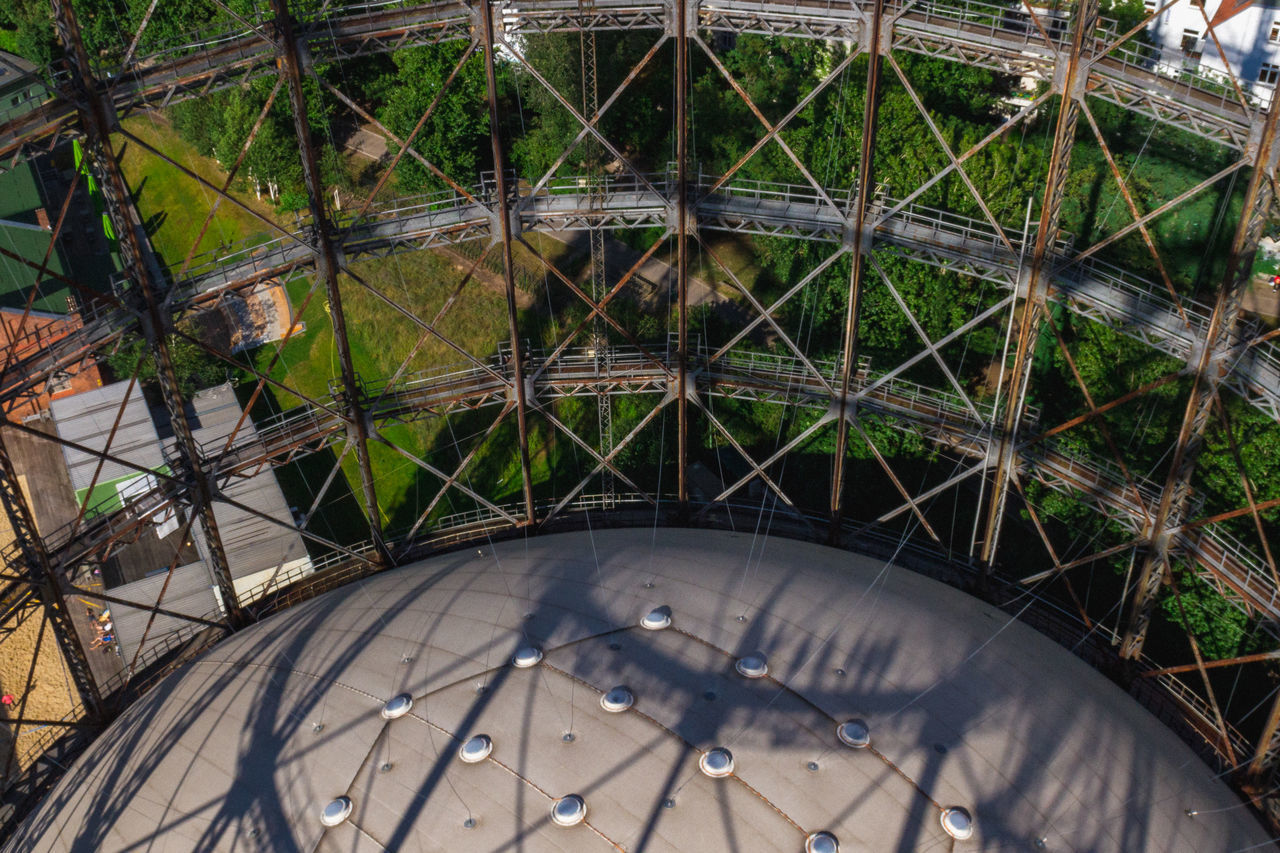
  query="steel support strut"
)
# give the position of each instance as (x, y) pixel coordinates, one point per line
(98, 118)
(682, 255)
(508, 269)
(1210, 368)
(877, 43)
(1071, 85)
(599, 272)
(327, 267)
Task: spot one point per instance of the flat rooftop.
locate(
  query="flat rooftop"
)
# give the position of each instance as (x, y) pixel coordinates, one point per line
(245, 747)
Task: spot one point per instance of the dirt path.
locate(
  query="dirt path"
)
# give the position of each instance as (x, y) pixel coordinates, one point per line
(51, 695)
(488, 280)
(657, 278)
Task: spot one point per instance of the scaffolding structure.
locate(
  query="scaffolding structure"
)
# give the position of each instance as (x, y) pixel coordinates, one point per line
(1000, 442)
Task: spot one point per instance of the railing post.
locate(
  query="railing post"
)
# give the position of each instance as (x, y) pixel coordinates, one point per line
(98, 119)
(327, 267)
(682, 24)
(47, 584)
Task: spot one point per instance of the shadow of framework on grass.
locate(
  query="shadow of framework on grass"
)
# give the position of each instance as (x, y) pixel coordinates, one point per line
(557, 462)
(339, 517)
(259, 747)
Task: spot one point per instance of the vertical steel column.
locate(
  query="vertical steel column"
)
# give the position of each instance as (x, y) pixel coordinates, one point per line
(327, 266)
(1070, 83)
(98, 119)
(1264, 755)
(508, 268)
(860, 236)
(682, 252)
(1210, 369)
(47, 583)
(599, 270)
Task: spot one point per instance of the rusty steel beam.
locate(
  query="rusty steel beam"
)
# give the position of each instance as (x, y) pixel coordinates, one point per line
(458, 472)
(98, 118)
(1070, 86)
(328, 267)
(1263, 762)
(1209, 370)
(878, 42)
(682, 25)
(231, 176)
(1218, 719)
(1211, 664)
(503, 204)
(598, 307)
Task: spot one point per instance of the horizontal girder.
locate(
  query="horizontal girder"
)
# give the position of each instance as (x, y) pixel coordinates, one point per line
(938, 416)
(974, 33)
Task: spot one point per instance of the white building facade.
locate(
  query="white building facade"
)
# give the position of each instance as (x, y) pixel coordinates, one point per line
(1247, 32)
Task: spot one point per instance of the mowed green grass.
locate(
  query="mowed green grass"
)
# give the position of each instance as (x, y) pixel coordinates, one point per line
(383, 342)
(173, 205)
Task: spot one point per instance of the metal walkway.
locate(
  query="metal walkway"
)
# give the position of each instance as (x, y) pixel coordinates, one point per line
(938, 416)
(1136, 307)
(976, 33)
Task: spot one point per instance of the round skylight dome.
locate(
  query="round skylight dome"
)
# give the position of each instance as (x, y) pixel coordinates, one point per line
(569, 810)
(397, 706)
(821, 842)
(957, 823)
(336, 811)
(754, 665)
(854, 733)
(527, 656)
(717, 762)
(476, 749)
(657, 619)
(617, 700)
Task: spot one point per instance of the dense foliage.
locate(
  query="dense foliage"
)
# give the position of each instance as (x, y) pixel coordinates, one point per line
(194, 368)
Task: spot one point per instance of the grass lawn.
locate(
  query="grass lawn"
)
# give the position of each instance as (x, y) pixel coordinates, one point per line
(1267, 265)
(382, 339)
(737, 253)
(173, 205)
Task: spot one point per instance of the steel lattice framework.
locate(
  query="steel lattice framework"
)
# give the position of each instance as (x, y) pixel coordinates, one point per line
(999, 443)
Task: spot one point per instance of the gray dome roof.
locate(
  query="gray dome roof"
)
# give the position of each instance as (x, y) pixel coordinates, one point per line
(244, 748)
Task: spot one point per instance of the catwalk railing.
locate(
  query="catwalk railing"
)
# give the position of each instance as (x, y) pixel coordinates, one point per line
(1137, 307)
(221, 53)
(963, 426)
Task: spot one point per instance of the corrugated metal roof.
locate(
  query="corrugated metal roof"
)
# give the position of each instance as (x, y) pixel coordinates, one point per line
(190, 591)
(253, 544)
(86, 419)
